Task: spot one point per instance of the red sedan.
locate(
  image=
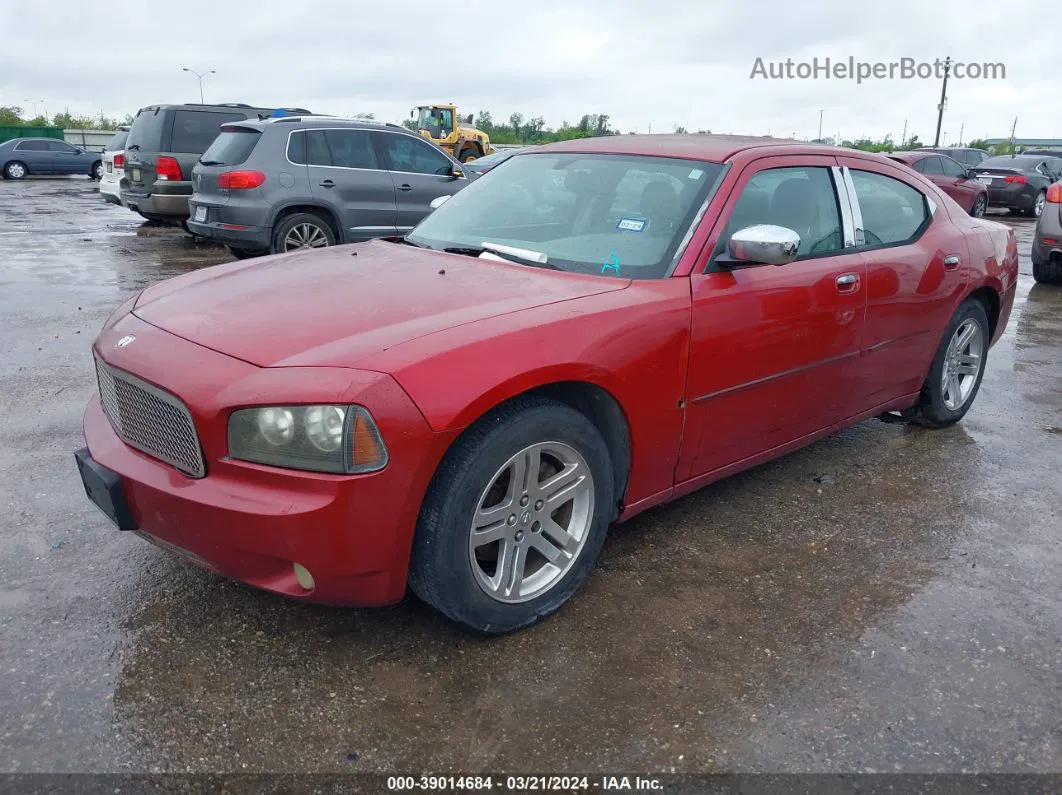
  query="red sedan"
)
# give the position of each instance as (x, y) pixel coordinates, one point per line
(950, 176)
(593, 328)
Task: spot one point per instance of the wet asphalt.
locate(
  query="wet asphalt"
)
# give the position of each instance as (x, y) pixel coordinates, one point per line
(885, 600)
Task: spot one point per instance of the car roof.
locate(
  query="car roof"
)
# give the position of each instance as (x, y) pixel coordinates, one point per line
(311, 120)
(222, 106)
(711, 148)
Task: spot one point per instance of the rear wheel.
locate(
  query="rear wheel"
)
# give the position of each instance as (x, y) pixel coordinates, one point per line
(955, 375)
(469, 154)
(302, 230)
(979, 206)
(1048, 272)
(515, 517)
(1037, 207)
(97, 170)
(246, 253)
(15, 170)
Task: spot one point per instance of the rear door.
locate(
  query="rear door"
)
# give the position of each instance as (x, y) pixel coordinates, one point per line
(917, 266)
(37, 155)
(149, 135)
(419, 172)
(345, 174)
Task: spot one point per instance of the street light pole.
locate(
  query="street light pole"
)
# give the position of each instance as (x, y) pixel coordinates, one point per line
(943, 99)
(34, 103)
(820, 123)
(199, 75)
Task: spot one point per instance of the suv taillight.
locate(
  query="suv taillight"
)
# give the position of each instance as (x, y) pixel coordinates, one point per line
(241, 180)
(1054, 193)
(119, 160)
(168, 168)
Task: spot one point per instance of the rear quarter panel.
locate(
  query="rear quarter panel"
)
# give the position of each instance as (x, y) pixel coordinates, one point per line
(633, 343)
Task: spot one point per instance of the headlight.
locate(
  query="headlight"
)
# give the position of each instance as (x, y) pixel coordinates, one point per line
(341, 439)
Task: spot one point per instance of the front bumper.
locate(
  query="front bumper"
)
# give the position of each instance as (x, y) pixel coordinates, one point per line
(252, 523)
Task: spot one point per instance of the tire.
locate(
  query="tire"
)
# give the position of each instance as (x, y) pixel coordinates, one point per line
(451, 571)
(97, 170)
(979, 206)
(469, 154)
(936, 407)
(155, 217)
(246, 253)
(305, 226)
(1048, 272)
(15, 170)
(1037, 206)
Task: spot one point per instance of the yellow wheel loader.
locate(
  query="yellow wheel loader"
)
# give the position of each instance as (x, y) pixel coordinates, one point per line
(442, 125)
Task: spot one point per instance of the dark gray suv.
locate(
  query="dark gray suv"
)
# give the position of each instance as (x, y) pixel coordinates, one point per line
(301, 182)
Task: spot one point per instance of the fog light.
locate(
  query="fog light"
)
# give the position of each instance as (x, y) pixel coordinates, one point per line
(303, 576)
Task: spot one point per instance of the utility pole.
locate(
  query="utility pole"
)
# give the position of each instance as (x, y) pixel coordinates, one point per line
(961, 128)
(34, 103)
(903, 138)
(820, 124)
(943, 99)
(1013, 129)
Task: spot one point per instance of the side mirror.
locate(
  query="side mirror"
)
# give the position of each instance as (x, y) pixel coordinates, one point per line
(457, 172)
(438, 202)
(765, 243)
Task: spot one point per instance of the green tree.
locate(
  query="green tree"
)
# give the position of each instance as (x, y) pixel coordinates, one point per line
(978, 143)
(484, 121)
(516, 122)
(680, 130)
(410, 124)
(11, 115)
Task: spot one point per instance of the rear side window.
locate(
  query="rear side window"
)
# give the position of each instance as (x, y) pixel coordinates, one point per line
(893, 212)
(351, 148)
(117, 142)
(317, 153)
(932, 165)
(232, 147)
(195, 130)
(33, 146)
(297, 147)
(148, 130)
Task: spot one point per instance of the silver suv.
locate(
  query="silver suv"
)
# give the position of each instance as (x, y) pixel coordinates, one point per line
(303, 181)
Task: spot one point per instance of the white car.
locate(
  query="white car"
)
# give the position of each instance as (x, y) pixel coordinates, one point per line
(113, 167)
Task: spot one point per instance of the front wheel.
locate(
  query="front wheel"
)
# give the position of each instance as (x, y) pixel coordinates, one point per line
(515, 517)
(468, 155)
(15, 170)
(979, 206)
(958, 367)
(302, 230)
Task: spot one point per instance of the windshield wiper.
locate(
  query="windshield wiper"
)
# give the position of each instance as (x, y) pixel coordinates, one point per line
(211, 163)
(521, 256)
(131, 147)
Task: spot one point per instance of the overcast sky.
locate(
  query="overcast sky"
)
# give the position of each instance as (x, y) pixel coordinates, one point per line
(643, 62)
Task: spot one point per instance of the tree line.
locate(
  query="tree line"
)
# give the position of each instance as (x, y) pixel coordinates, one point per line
(14, 116)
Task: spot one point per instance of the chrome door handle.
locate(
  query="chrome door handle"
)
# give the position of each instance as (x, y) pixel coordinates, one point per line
(952, 261)
(847, 280)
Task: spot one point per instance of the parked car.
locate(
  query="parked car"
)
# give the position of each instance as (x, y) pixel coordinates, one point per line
(1042, 152)
(1019, 182)
(113, 167)
(164, 143)
(965, 156)
(469, 409)
(950, 176)
(298, 182)
(1047, 241)
(23, 157)
(482, 165)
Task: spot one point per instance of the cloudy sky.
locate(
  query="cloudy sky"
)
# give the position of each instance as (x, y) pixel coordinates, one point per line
(643, 62)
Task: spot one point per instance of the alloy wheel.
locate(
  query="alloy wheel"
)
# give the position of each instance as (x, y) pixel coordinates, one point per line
(305, 236)
(1038, 208)
(531, 522)
(962, 364)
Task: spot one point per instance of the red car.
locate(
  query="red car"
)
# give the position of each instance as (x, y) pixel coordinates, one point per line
(593, 328)
(950, 176)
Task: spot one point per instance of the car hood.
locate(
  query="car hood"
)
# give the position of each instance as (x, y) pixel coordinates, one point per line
(334, 307)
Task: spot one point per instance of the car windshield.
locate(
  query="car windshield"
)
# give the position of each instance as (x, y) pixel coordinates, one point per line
(617, 215)
(117, 142)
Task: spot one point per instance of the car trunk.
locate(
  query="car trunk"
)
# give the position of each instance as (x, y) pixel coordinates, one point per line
(148, 136)
(229, 151)
(995, 179)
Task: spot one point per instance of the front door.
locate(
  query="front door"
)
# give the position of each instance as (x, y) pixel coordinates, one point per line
(774, 349)
(420, 173)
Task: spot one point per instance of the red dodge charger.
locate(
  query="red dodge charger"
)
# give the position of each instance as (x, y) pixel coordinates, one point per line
(593, 328)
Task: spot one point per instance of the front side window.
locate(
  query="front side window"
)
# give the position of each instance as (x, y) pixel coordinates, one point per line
(613, 215)
(802, 199)
(351, 148)
(415, 156)
(932, 166)
(60, 146)
(893, 212)
(951, 168)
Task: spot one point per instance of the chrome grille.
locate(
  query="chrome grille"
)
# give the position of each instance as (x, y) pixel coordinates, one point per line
(149, 419)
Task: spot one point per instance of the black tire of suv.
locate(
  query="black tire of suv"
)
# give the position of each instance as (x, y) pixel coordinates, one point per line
(96, 172)
(1047, 272)
(246, 253)
(289, 222)
(468, 153)
(930, 411)
(440, 571)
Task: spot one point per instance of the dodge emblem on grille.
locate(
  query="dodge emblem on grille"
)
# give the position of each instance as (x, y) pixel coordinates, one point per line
(128, 338)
